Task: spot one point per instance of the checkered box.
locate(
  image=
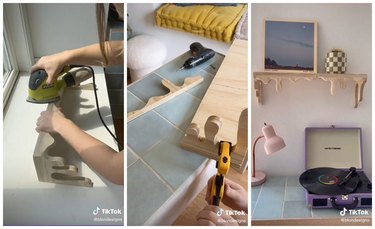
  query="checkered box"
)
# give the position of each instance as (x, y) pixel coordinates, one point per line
(336, 62)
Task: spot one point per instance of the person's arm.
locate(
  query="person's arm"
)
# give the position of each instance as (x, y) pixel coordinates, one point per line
(88, 55)
(100, 157)
(91, 55)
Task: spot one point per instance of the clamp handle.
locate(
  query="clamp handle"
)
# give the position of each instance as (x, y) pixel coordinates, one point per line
(223, 161)
(222, 165)
(217, 190)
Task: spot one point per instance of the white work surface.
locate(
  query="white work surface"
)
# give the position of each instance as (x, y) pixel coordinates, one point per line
(30, 202)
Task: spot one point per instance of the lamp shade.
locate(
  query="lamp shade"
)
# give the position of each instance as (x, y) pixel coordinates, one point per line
(273, 142)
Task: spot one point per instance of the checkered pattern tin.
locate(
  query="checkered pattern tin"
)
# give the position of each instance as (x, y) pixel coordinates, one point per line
(336, 62)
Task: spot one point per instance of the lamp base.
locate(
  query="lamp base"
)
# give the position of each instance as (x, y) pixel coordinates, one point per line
(260, 178)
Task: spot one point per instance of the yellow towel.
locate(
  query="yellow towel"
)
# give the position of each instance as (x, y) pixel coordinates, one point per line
(215, 22)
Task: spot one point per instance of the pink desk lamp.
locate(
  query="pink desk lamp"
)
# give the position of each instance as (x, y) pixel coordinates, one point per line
(273, 144)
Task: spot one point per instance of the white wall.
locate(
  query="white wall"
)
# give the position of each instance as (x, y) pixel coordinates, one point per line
(309, 103)
(142, 20)
(58, 27)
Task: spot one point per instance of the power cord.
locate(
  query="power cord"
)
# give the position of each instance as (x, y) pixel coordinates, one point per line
(97, 104)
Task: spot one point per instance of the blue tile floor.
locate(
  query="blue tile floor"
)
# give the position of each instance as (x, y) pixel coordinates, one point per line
(153, 192)
(283, 197)
(172, 162)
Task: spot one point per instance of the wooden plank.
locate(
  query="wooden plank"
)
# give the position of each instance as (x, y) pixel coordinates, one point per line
(50, 153)
(49, 161)
(359, 221)
(174, 91)
(226, 98)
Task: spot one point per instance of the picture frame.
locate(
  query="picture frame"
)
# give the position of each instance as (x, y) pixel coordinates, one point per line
(290, 46)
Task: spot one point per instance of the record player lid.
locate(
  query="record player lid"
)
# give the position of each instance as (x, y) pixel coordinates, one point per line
(339, 148)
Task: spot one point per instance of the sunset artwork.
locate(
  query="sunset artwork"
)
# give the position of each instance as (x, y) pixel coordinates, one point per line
(289, 45)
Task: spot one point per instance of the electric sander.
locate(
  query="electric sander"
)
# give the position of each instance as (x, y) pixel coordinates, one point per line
(41, 92)
(70, 76)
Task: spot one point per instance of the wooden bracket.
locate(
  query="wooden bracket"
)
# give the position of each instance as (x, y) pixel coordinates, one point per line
(226, 99)
(239, 151)
(174, 91)
(49, 161)
(208, 145)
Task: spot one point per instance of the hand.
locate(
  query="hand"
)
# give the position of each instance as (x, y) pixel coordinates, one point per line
(235, 196)
(52, 64)
(49, 121)
(214, 216)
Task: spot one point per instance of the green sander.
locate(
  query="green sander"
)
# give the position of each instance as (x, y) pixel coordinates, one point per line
(70, 76)
(41, 92)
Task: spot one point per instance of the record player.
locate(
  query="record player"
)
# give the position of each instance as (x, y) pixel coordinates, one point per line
(334, 176)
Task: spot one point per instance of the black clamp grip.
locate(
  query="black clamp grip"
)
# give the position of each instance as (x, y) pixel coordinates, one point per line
(219, 182)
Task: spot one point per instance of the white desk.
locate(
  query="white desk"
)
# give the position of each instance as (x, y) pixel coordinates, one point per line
(30, 202)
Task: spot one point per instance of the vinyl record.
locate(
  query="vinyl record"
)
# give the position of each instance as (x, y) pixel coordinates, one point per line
(328, 181)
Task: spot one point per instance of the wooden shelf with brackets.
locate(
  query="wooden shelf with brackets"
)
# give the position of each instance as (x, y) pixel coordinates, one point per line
(263, 78)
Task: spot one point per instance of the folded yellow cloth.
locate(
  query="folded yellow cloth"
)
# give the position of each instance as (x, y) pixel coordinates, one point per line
(215, 22)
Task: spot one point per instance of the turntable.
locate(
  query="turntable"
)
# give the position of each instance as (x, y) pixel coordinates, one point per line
(334, 176)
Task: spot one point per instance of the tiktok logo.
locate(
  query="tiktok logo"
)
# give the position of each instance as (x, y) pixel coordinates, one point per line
(220, 212)
(343, 212)
(96, 211)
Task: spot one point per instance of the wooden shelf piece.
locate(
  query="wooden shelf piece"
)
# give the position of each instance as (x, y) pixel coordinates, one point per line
(49, 159)
(262, 78)
(174, 91)
(225, 99)
(209, 144)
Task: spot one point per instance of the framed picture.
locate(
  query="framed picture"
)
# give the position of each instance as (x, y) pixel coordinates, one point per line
(290, 46)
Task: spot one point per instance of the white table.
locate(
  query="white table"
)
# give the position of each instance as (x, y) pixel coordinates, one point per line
(30, 202)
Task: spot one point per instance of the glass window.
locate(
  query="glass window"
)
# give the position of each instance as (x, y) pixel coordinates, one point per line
(7, 67)
(10, 69)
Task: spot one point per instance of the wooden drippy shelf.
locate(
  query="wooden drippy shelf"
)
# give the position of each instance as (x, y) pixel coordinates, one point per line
(262, 78)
